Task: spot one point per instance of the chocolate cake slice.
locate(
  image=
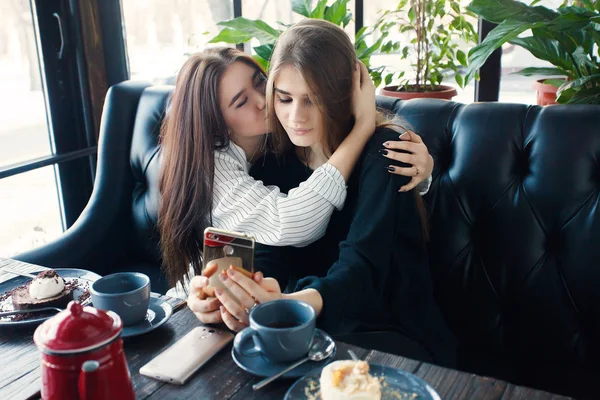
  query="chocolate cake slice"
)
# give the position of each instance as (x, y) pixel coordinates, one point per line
(22, 300)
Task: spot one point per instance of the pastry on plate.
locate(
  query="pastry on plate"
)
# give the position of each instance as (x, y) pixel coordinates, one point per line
(349, 380)
(47, 289)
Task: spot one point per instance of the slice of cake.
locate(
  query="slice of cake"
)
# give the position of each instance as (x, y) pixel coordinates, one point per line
(349, 380)
(47, 289)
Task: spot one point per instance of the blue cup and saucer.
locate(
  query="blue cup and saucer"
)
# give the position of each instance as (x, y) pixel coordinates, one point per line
(280, 333)
(128, 295)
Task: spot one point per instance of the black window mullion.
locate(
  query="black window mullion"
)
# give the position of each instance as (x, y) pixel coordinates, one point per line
(58, 31)
(488, 87)
(359, 18)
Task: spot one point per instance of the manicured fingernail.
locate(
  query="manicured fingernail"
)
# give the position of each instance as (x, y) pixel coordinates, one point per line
(383, 151)
(222, 309)
(391, 169)
(223, 277)
(231, 272)
(404, 135)
(219, 291)
(386, 144)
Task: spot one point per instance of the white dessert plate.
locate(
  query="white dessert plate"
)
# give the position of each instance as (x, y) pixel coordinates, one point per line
(396, 384)
(84, 277)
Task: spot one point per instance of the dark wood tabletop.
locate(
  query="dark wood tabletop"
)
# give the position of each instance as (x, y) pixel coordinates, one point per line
(221, 378)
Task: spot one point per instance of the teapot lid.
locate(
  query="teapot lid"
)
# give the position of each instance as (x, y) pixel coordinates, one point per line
(77, 329)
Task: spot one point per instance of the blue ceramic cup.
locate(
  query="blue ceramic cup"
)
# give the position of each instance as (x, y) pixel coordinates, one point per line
(282, 330)
(125, 293)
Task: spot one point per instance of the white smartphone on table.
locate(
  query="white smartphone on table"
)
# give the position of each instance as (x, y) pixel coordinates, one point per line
(179, 361)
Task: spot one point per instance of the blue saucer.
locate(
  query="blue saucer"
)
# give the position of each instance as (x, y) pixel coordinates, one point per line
(261, 366)
(398, 384)
(158, 313)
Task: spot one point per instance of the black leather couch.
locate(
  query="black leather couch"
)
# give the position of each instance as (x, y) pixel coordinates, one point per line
(514, 217)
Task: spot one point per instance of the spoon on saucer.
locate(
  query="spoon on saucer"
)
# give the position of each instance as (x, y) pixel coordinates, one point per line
(321, 349)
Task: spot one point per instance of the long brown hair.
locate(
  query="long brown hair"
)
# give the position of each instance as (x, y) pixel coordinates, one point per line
(193, 129)
(324, 55)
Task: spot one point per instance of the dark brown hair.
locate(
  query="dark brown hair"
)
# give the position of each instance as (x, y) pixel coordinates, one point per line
(325, 57)
(193, 129)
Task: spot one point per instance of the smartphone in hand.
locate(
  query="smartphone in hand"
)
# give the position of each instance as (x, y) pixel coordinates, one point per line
(222, 248)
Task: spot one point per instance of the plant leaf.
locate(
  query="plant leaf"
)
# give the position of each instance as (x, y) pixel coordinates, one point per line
(256, 28)
(578, 83)
(229, 35)
(461, 57)
(582, 58)
(498, 11)
(337, 12)
(585, 96)
(319, 11)
(554, 82)
(548, 50)
(459, 80)
(541, 71)
(504, 32)
(263, 63)
(301, 7)
(265, 51)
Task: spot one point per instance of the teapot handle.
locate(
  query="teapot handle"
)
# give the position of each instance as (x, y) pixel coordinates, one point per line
(89, 382)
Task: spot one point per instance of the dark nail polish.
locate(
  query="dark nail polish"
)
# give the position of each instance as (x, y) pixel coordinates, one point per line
(383, 151)
(390, 168)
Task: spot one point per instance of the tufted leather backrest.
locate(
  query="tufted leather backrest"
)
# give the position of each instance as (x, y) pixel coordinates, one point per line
(145, 165)
(513, 216)
(515, 225)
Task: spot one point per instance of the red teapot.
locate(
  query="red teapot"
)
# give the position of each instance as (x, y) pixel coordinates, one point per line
(82, 355)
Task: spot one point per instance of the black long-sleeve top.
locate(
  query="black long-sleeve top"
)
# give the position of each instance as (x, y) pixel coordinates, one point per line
(371, 267)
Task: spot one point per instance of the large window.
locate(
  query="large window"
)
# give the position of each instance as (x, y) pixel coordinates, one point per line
(47, 138)
(161, 33)
(29, 206)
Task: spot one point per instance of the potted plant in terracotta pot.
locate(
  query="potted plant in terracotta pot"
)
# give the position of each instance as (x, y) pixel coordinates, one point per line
(567, 37)
(434, 32)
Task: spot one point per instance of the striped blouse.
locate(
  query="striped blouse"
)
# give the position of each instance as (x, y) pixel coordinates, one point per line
(243, 204)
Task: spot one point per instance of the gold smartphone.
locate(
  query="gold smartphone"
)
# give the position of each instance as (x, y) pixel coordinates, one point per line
(227, 248)
(179, 361)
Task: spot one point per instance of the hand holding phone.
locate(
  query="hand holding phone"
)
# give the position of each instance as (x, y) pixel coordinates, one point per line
(224, 249)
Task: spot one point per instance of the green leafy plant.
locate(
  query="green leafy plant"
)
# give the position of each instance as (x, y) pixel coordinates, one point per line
(437, 29)
(568, 37)
(241, 30)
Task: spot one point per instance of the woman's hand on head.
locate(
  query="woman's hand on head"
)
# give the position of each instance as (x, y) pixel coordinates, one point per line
(201, 299)
(363, 98)
(248, 291)
(418, 157)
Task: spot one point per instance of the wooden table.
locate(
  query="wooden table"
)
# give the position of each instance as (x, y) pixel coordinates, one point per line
(221, 378)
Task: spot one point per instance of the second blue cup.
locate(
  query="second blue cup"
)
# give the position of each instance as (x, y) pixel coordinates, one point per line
(282, 330)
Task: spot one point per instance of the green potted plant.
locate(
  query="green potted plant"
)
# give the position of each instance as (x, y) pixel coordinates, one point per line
(568, 38)
(436, 30)
(241, 30)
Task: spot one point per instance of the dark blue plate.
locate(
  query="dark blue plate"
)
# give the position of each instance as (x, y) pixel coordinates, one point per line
(85, 278)
(398, 384)
(260, 366)
(159, 311)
